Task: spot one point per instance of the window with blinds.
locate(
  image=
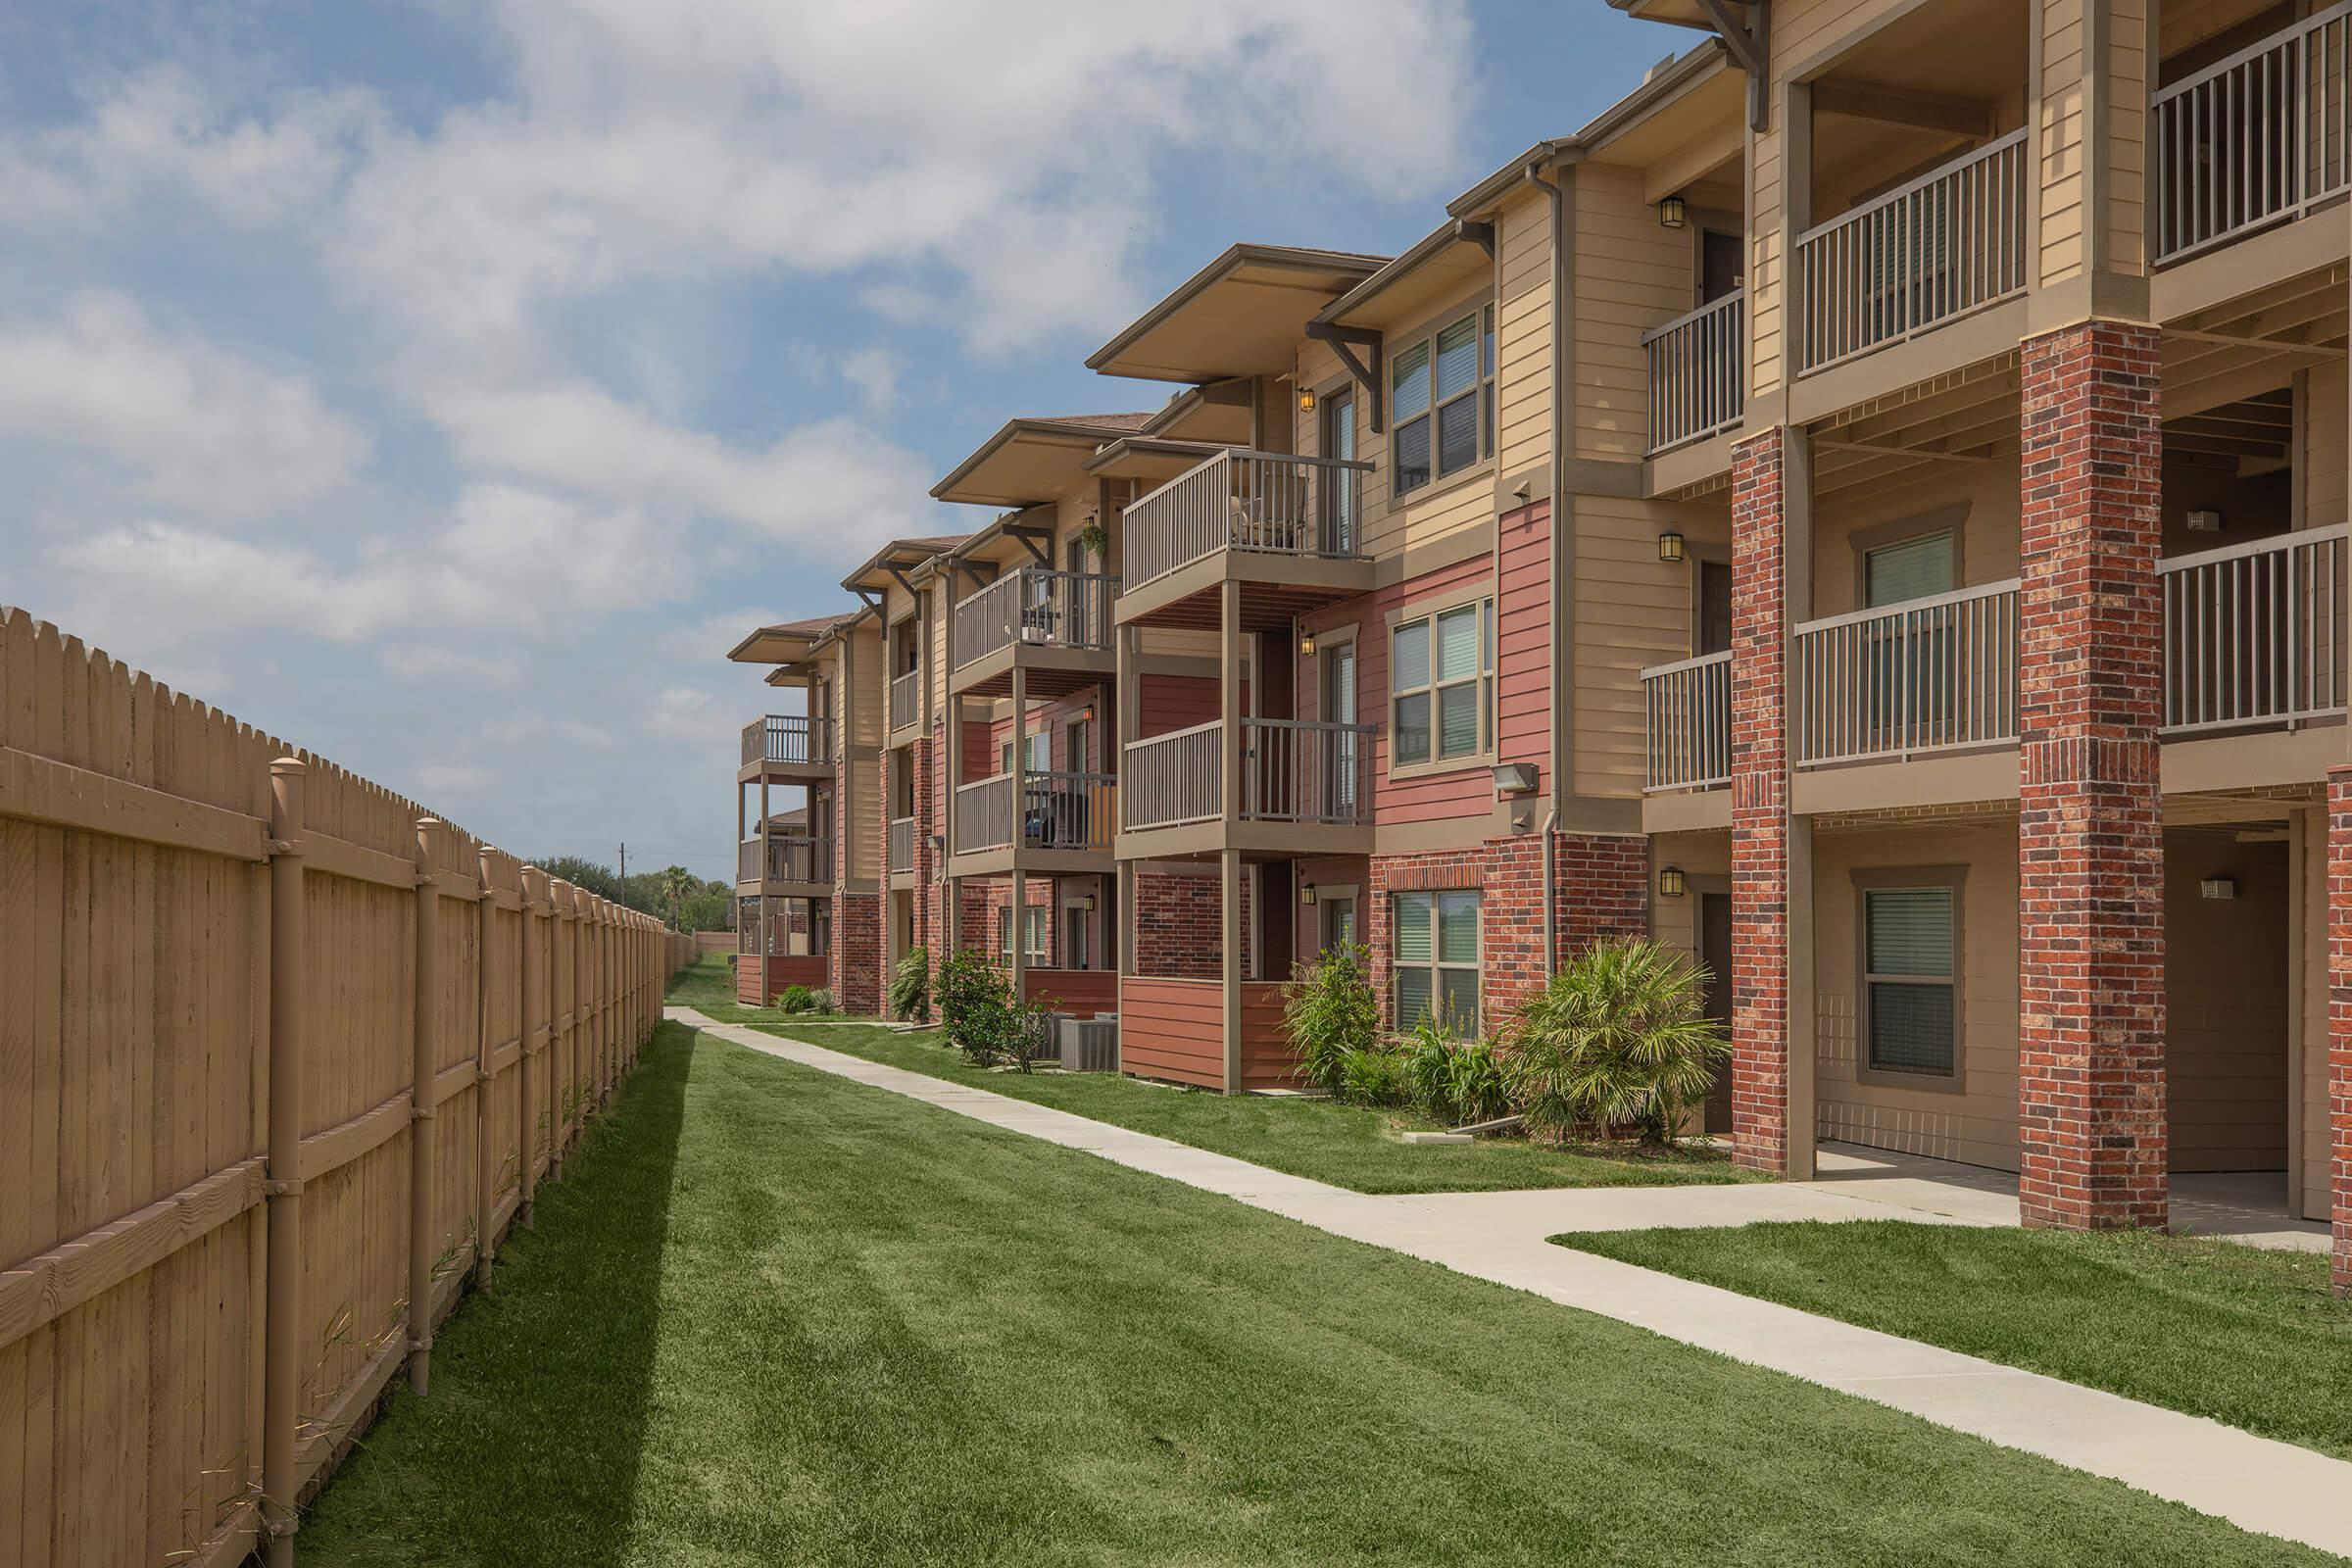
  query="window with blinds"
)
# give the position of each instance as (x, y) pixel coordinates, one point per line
(1915, 568)
(1442, 684)
(1436, 961)
(1909, 964)
(1442, 402)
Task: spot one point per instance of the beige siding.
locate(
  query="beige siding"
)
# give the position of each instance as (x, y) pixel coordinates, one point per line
(1523, 320)
(1630, 275)
(868, 806)
(866, 691)
(2059, 147)
(2226, 1004)
(1986, 494)
(2324, 465)
(1632, 610)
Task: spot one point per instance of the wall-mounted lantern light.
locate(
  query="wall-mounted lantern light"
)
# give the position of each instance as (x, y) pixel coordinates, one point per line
(1671, 884)
(1083, 900)
(1670, 546)
(1673, 214)
(1514, 778)
(2218, 887)
(1306, 893)
(1306, 642)
(1307, 400)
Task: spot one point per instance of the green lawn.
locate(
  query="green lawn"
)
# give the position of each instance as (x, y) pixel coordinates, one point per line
(2213, 1328)
(1347, 1146)
(708, 986)
(771, 1317)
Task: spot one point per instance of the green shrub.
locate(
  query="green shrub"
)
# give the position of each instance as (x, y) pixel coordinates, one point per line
(909, 996)
(796, 999)
(821, 999)
(1329, 1010)
(976, 1007)
(1455, 1081)
(1373, 1075)
(1617, 1040)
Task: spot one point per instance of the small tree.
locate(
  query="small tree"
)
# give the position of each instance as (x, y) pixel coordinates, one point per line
(909, 996)
(1329, 1012)
(977, 1007)
(1617, 1039)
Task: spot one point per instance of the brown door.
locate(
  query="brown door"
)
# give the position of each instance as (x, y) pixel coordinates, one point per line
(1719, 264)
(1714, 607)
(1715, 952)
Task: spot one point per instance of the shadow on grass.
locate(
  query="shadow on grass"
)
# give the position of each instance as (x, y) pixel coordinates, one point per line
(528, 1449)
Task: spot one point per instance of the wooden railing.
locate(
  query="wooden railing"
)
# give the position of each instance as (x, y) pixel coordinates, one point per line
(2254, 138)
(790, 858)
(1696, 388)
(1266, 501)
(788, 738)
(1933, 674)
(1059, 810)
(1301, 770)
(1047, 608)
(1938, 247)
(2254, 633)
(905, 699)
(1170, 779)
(1689, 707)
(902, 844)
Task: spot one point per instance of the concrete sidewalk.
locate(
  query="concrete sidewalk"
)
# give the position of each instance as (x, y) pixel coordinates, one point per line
(2255, 1483)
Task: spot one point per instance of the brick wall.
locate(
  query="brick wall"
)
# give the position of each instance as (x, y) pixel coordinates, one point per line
(857, 980)
(1179, 925)
(2090, 833)
(2340, 1018)
(1759, 809)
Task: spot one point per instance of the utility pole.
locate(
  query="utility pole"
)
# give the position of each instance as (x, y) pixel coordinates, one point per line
(624, 862)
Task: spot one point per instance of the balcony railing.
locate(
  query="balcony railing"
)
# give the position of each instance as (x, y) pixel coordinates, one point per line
(2254, 633)
(2255, 138)
(1059, 812)
(1292, 770)
(1938, 247)
(790, 858)
(1689, 706)
(788, 738)
(905, 699)
(1697, 387)
(902, 844)
(1047, 608)
(1933, 674)
(1266, 501)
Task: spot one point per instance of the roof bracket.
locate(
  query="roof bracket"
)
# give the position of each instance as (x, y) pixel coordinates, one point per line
(1344, 340)
(1479, 235)
(871, 597)
(898, 570)
(1035, 540)
(1750, 43)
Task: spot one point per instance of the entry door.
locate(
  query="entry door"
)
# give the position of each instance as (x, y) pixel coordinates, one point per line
(1720, 265)
(1339, 921)
(1714, 607)
(1715, 952)
(1338, 492)
(1338, 707)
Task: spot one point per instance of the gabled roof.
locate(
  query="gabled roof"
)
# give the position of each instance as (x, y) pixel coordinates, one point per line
(1033, 460)
(785, 643)
(1237, 316)
(904, 554)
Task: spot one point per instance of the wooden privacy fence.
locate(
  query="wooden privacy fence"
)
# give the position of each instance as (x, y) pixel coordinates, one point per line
(281, 1058)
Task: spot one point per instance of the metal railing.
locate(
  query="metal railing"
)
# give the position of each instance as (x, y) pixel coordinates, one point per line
(1689, 707)
(1940, 246)
(1267, 502)
(1049, 608)
(1059, 812)
(1696, 388)
(1933, 674)
(2254, 138)
(1304, 770)
(902, 844)
(1170, 779)
(905, 699)
(788, 738)
(790, 858)
(2254, 633)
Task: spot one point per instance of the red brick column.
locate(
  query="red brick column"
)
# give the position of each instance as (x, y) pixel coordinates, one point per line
(1760, 833)
(2090, 829)
(2339, 1020)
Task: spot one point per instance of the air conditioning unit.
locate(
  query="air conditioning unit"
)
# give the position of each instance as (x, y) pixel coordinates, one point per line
(1091, 1044)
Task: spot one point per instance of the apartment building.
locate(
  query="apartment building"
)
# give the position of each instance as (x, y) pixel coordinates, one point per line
(1886, 470)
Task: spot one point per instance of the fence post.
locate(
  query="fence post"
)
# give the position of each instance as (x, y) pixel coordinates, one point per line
(427, 971)
(534, 1008)
(485, 1235)
(281, 1371)
(559, 1032)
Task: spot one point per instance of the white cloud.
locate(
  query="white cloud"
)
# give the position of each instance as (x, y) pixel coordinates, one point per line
(875, 372)
(685, 713)
(208, 431)
(451, 778)
(434, 661)
(711, 635)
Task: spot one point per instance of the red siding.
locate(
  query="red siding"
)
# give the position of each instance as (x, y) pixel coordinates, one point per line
(1268, 1060)
(1076, 991)
(1173, 1029)
(751, 973)
(1167, 703)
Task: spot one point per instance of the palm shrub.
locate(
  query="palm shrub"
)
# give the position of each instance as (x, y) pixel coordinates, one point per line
(909, 996)
(1618, 1039)
(1328, 1012)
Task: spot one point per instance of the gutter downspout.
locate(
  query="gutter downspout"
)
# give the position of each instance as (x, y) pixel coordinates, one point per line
(1532, 174)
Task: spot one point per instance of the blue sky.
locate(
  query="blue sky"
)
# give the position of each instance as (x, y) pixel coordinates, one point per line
(446, 386)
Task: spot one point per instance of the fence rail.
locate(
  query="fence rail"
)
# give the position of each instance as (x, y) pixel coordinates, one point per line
(1940, 246)
(2254, 138)
(1170, 779)
(1689, 707)
(1696, 386)
(788, 738)
(1301, 770)
(1267, 502)
(1930, 675)
(2254, 633)
(789, 858)
(902, 844)
(905, 699)
(299, 1053)
(1059, 810)
(1049, 608)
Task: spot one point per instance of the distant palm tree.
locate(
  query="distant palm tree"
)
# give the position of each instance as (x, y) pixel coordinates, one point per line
(676, 883)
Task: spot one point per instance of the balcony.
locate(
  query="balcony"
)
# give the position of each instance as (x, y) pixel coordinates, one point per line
(1697, 387)
(795, 858)
(902, 844)
(1928, 676)
(2255, 139)
(1283, 526)
(1689, 707)
(1927, 252)
(1054, 625)
(1066, 822)
(789, 744)
(1303, 786)
(905, 700)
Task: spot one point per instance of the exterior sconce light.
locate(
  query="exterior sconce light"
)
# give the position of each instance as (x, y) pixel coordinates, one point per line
(1514, 778)
(2218, 887)
(1083, 900)
(939, 843)
(1307, 400)
(2204, 523)
(1306, 893)
(1306, 642)
(1673, 214)
(1670, 882)
(1670, 546)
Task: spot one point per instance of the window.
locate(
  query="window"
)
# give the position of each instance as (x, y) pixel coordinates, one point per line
(1437, 961)
(1915, 568)
(1909, 966)
(1442, 675)
(1041, 755)
(1442, 401)
(1033, 935)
